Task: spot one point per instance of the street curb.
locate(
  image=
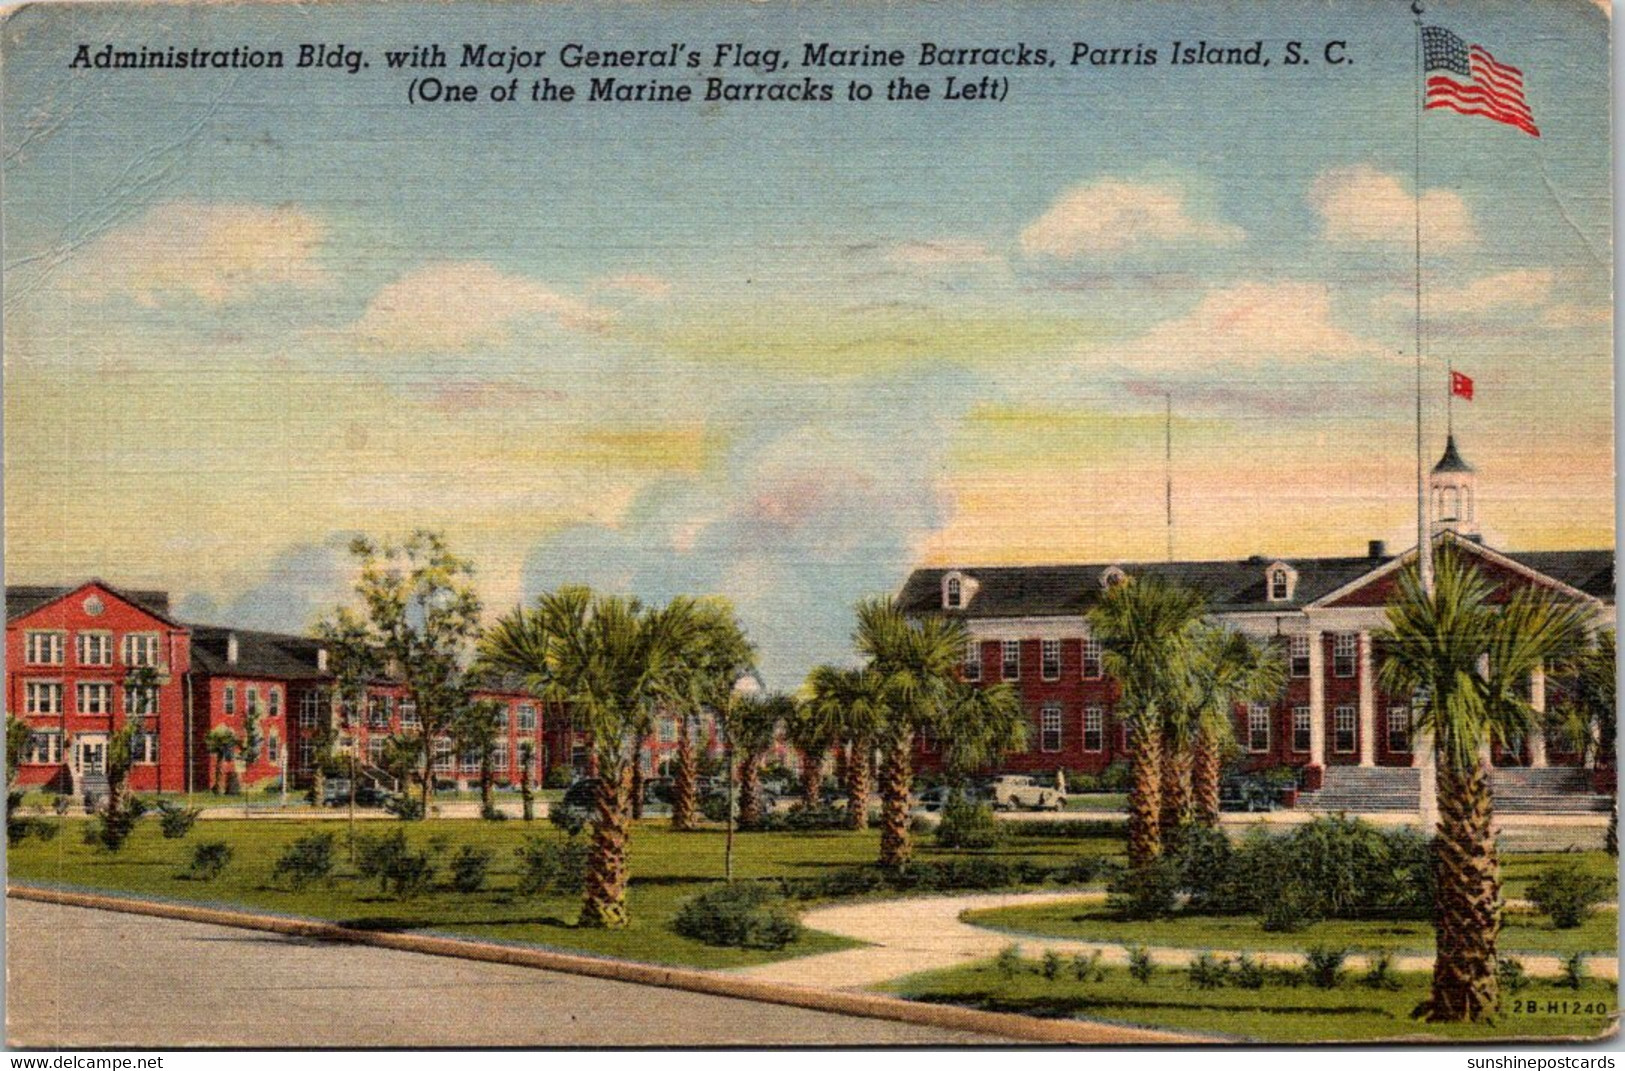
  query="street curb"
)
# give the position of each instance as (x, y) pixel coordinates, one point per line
(868, 1005)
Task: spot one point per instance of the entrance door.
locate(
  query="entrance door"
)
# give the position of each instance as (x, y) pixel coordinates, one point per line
(90, 755)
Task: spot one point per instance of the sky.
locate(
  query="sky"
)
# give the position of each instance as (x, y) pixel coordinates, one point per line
(785, 353)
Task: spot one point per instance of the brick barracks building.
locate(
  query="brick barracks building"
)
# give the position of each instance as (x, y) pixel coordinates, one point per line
(1028, 627)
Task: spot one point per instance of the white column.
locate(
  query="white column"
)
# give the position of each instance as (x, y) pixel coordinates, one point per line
(1368, 704)
(1317, 700)
(1537, 700)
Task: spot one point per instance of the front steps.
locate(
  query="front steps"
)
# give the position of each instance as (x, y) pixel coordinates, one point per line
(1366, 790)
(1518, 790)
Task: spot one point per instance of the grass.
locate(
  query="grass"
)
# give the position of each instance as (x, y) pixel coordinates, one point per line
(1519, 870)
(1098, 801)
(1521, 932)
(666, 868)
(1276, 1013)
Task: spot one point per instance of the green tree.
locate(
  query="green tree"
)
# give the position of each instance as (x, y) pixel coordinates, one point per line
(718, 655)
(474, 729)
(1587, 715)
(1229, 669)
(1468, 663)
(812, 732)
(850, 701)
(419, 617)
(354, 660)
(1147, 628)
(527, 795)
(221, 745)
(753, 725)
(976, 726)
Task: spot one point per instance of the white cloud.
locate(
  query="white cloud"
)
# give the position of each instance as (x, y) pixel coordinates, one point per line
(459, 306)
(1248, 324)
(644, 286)
(1111, 215)
(1362, 204)
(946, 252)
(1522, 288)
(215, 252)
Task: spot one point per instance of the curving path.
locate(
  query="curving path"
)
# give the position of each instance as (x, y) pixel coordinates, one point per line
(909, 936)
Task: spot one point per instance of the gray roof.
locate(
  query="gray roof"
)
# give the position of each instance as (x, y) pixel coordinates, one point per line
(1452, 460)
(26, 598)
(1229, 586)
(259, 654)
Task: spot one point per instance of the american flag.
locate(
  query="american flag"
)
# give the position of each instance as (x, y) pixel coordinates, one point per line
(1482, 85)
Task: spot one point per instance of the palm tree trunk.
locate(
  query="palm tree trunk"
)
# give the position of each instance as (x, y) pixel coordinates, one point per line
(895, 779)
(604, 906)
(683, 783)
(812, 779)
(1611, 840)
(857, 786)
(488, 803)
(1205, 771)
(750, 791)
(1145, 794)
(1176, 808)
(1467, 910)
(527, 797)
(637, 778)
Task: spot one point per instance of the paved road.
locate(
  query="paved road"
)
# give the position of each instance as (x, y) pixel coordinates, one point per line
(79, 977)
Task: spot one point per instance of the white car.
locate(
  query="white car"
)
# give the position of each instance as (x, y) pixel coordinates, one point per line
(1013, 792)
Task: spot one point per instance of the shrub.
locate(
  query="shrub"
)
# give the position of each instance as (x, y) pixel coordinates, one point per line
(1086, 967)
(1008, 962)
(306, 861)
(1117, 777)
(175, 820)
(1380, 973)
(412, 874)
(569, 820)
(968, 824)
(1051, 966)
(547, 867)
(469, 867)
(1289, 910)
(1085, 870)
(405, 806)
(1323, 967)
(1249, 972)
(1140, 967)
(1208, 971)
(1064, 829)
(740, 915)
(60, 805)
(389, 858)
(1567, 894)
(1147, 892)
(108, 830)
(209, 860)
(1574, 971)
(1510, 973)
(559, 777)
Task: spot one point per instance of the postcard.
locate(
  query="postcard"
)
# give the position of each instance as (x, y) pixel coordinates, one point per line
(786, 524)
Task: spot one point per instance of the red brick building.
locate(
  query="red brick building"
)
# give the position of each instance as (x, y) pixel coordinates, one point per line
(1029, 627)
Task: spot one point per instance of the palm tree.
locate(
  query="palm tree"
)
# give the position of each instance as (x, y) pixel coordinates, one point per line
(527, 796)
(1229, 669)
(754, 725)
(221, 745)
(1588, 713)
(977, 726)
(918, 663)
(1468, 663)
(850, 701)
(718, 655)
(611, 659)
(813, 732)
(1147, 628)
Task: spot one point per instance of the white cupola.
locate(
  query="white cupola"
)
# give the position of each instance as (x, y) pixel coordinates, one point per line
(1452, 493)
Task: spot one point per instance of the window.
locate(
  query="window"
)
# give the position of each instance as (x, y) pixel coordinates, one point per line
(1050, 724)
(311, 706)
(973, 661)
(956, 592)
(140, 701)
(1399, 728)
(230, 706)
(1050, 663)
(1300, 728)
(442, 756)
(95, 649)
(1258, 728)
(1299, 655)
(668, 730)
(144, 749)
(273, 749)
(1343, 730)
(273, 699)
(1344, 646)
(251, 703)
(1012, 660)
(141, 649)
(307, 754)
(501, 719)
(409, 715)
(379, 709)
(43, 748)
(1094, 729)
(499, 757)
(1280, 585)
(471, 759)
(1092, 665)
(44, 648)
(42, 697)
(94, 698)
(375, 751)
(527, 717)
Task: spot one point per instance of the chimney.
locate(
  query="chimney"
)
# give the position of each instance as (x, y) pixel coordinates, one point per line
(1376, 549)
(231, 648)
(321, 659)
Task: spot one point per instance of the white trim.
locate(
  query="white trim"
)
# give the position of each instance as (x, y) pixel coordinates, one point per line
(1471, 546)
(1270, 572)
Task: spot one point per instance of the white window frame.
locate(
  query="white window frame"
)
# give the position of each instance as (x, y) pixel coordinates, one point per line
(307, 753)
(1345, 719)
(1303, 720)
(527, 717)
(380, 708)
(469, 760)
(140, 649)
(444, 760)
(1047, 648)
(953, 596)
(228, 702)
(1298, 652)
(273, 702)
(101, 640)
(1094, 721)
(972, 669)
(666, 729)
(1280, 585)
(1258, 722)
(1093, 654)
(503, 717)
(310, 708)
(34, 691)
(1345, 645)
(1049, 721)
(1006, 662)
(45, 647)
(134, 693)
(103, 690)
(43, 741)
(273, 749)
(1403, 714)
(409, 715)
(144, 748)
(499, 757)
(375, 750)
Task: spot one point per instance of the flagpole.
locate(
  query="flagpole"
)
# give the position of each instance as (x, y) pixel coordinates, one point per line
(1424, 551)
(1168, 465)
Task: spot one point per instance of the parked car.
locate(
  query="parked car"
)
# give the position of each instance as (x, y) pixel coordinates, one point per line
(1247, 794)
(1014, 792)
(583, 794)
(336, 793)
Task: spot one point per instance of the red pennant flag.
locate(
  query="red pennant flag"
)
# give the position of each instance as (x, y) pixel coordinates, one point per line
(1461, 386)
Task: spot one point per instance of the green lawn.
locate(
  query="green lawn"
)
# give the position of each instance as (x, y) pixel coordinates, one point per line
(1098, 801)
(1519, 870)
(666, 868)
(1276, 1013)
(1520, 932)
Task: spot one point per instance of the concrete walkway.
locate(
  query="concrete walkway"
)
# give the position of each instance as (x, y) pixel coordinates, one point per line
(909, 936)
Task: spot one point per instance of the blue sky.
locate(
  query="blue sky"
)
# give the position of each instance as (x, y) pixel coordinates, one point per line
(782, 352)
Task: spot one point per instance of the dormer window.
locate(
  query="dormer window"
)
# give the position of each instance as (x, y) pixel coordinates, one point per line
(957, 590)
(1281, 580)
(954, 598)
(1112, 577)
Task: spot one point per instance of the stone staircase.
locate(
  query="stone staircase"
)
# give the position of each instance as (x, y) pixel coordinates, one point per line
(1518, 790)
(1366, 789)
(92, 785)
